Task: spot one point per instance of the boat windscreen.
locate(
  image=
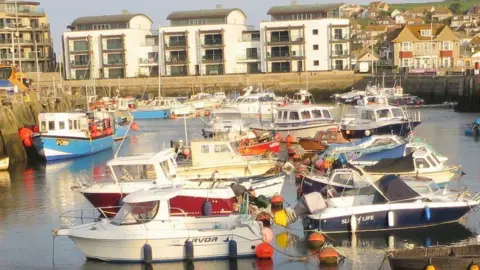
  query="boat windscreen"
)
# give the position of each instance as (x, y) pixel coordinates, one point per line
(393, 189)
(392, 165)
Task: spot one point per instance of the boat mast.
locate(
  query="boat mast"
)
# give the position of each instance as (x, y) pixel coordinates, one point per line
(159, 67)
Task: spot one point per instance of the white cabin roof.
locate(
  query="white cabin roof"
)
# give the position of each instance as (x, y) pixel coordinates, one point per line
(377, 107)
(302, 107)
(53, 116)
(150, 158)
(157, 193)
(226, 110)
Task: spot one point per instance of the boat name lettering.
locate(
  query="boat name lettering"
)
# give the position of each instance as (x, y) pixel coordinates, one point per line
(63, 142)
(359, 219)
(205, 240)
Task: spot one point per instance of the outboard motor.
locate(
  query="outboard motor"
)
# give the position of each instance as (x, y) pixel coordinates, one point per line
(309, 204)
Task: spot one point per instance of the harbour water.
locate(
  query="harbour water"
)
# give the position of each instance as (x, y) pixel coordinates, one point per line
(33, 197)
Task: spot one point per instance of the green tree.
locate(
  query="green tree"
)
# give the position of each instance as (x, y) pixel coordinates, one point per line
(428, 17)
(455, 7)
(384, 14)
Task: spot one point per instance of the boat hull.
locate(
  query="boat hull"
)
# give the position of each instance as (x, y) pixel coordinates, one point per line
(295, 132)
(58, 148)
(260, 148)
(404, 218)
(225, 171)
(310, 144)
(208, 244)
(121, 132)
(151, 114)
(402, 129)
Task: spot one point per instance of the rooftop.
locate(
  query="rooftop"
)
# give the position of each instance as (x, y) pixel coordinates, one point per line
(26, 3)
(203, 13)
(309, 9)
(121, 18)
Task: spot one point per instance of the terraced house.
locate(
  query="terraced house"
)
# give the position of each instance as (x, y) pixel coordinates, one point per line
(25, 36)
(426, 46)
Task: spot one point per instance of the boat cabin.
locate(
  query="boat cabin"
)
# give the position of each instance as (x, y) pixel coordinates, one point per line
(207, 152)
(303, 97)
(366, 145)
(372, 101)
(76, 124)
(201, 96)
(379, 113)
(164, 103)
(295, 115)
(226, 114)
(160, 167)
(256, 98)
(220, 95)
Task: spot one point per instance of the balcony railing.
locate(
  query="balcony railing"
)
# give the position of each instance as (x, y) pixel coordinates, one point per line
(23, 10)
(182, 43)
(176, 59)
(6, 56)
(148, 43)
(114, 62)
(340, 53)
(22, 26)
(213, 42)
(248, 57)
(80, 50)
(113, 47)
(340, 38)
(79, 63)
(284, 54)
(148, 61)
(212, 57)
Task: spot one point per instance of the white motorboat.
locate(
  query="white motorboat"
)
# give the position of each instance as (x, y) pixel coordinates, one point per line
(202, 101)
(299, 121)
(145, 231)
(226, 122)
(255, 103)
(161, 108)
(389, 204)
(303, 97)
(133, 173)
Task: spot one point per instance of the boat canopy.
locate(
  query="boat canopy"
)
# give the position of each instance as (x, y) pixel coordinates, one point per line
(296, 113)
(144, 159)
(396, 152)
(157, 193)
(391, 188)
(393, 165)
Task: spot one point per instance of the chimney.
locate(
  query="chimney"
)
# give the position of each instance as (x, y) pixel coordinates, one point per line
(219, 6)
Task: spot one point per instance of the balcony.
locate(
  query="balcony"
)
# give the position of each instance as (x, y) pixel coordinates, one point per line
(149, 44)
(176, 44)
(32, 11)
(148, 61)
(114, 62)
(340, 53)
(286, 40)
(176, 59)
(248, 57)
(79, 64)
(215, 42)
(284, 55)
(340, 38)
(25, 56)
(212, 58)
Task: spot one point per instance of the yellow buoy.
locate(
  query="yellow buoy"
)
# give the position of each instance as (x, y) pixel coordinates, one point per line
(281, 218)
(473, 267)
(430, 267)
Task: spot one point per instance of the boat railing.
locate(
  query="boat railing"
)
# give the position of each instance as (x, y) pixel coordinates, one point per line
(84, 180)
(414, 116)
(75, 217)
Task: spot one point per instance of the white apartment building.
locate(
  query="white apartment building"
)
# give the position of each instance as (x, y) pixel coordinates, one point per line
(209, 42)
(305, 38)
(110, 46)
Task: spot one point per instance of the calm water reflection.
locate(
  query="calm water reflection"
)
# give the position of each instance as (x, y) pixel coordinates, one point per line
(32, 198)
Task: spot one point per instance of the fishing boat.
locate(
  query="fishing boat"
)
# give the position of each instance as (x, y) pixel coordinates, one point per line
(350, 97)
(225, 122)
(213, 195)
(453, 257)
(220, 157)
(421, 163)
(389, 204)
(162, 108)
(144, 230)
(255, 103)
(322, 140)
(378, 119)
(298, 121)
(69, 135)
(4, 162)
(397, 152)
(263, 145)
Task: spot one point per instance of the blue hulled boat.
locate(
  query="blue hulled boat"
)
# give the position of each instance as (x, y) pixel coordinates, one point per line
(69, 135)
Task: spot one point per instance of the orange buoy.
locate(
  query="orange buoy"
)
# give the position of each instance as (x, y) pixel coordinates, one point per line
(172, 116)
(266, 219)
(28, 142)
(108, 131)
(36, 129)
(24, 133)
(316, 240)
(278, 137)
(277, 203)
(197, 114)
(328, 256)
(267, 235)
(134, 126)
(206, 113)
(473, 266)
(264, 251)
(186, 152)
(289, 139)
(94, 128)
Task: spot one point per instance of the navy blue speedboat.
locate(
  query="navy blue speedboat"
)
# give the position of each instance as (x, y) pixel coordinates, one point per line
(389, 204)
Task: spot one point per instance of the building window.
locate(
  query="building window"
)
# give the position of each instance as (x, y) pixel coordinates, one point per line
(255, 36)
(80, 45)
(281, 67)
(426, 33)
(315, 31)
(315, 47)
(406, 46)
(205, 149)
(405, 62)
(446, 46)
(316, 63)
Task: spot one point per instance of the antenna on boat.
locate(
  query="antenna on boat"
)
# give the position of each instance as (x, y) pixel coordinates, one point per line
(123, 139)
(185, 125)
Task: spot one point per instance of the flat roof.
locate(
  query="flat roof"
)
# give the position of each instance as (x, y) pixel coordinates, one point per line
(203, 13)
(295, 9)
